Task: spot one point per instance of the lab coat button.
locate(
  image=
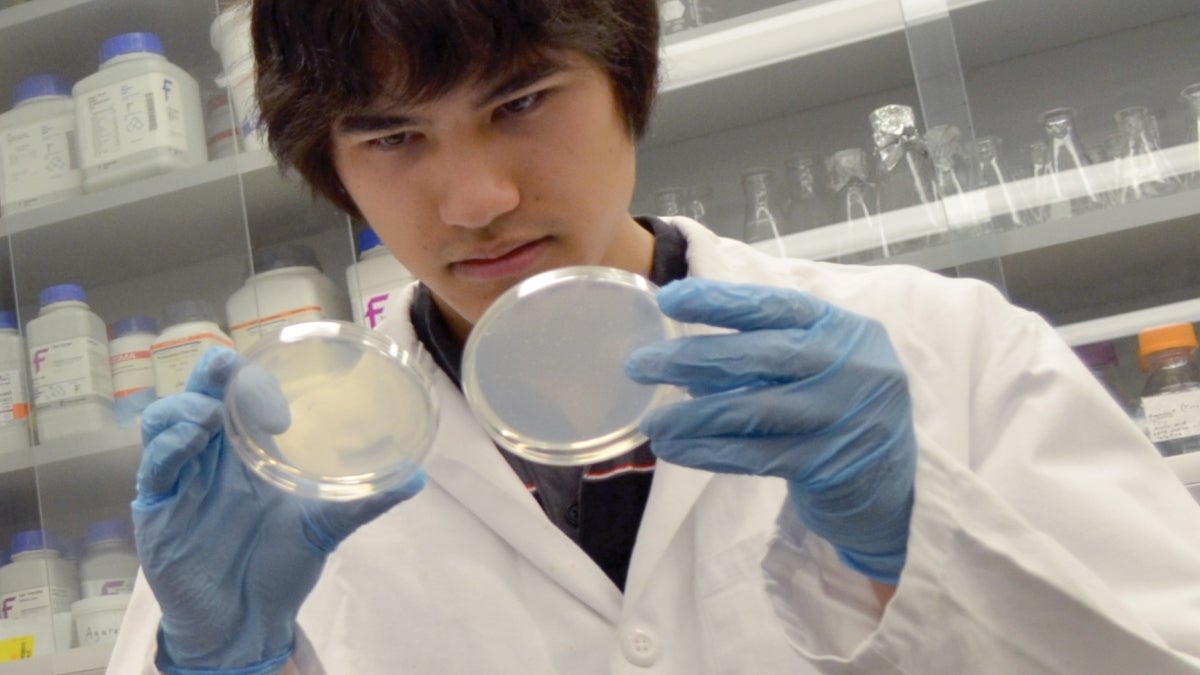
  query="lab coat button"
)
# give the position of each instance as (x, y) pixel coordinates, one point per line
(640, 647)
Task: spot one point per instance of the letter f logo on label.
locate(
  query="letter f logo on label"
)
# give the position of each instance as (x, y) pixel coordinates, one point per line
(39, 357)
(6, 606)
(374, 313)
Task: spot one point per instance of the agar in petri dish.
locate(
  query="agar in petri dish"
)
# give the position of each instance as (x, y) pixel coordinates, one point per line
(544, 367)
(331, 410)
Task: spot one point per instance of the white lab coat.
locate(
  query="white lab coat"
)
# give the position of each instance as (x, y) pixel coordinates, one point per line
(1047, 534)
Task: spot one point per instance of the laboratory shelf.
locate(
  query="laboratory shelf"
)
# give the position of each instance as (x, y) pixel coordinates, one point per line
(164, 222)
(1119, 326)
(90, 660)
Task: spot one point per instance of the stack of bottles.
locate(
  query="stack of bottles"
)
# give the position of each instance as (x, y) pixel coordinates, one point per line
(1167, 407)
(51, 597)
(71, 374)
(137, 116)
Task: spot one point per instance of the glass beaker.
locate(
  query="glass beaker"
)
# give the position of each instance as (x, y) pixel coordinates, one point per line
(670, 201)
(808, 204)
(1191, 97)
(952, 178)
(992, 177)
(763, 217)
(1072, 191)
(857, 205)
(697, 204)
(1143, 171)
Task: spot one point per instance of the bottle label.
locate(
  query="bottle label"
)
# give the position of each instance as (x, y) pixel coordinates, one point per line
(15, 649)
(98, 587)
(132, 371)
(247, 333)
(38, 159)
(1172, 416)
(174, 359)
(13, 404)
(70, 370)
(140, 113)
(372, 306)
(34, 602)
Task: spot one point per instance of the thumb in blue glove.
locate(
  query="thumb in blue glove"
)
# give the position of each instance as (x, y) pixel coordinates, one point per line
(803, 391)
(230, 558)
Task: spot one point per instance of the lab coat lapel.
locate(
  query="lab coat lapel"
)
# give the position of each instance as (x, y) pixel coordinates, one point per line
(672, 495)
(469, 467)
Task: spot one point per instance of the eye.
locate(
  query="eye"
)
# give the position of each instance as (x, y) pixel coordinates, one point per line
(392, 141)
(521, 105)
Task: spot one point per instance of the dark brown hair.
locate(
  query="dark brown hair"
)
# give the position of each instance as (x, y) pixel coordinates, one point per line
(318, 59)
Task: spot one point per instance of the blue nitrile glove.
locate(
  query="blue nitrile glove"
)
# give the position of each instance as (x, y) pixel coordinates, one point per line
(805, 391)
(230, 557)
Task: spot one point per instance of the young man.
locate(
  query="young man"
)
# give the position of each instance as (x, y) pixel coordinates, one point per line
(879, 470)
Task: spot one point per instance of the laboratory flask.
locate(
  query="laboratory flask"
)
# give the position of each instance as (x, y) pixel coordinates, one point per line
(1071, 188)
(1191, 98)
(808, 202)
(763, 219)
(670, 201)
(993, 179)
(857, 207)
(965, 211)
(698, 202)
(1142, 170)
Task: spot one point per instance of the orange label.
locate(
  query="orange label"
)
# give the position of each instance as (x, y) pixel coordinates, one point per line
(275, 317)
(20, 411)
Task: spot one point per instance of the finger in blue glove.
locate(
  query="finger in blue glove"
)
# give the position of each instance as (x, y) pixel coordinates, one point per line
(802, 390)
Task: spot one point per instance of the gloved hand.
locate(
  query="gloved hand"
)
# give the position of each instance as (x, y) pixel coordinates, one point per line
(230, 557)
(806, 392)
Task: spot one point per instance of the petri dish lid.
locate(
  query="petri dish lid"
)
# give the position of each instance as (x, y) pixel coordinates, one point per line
(331, 410)
(544, 367)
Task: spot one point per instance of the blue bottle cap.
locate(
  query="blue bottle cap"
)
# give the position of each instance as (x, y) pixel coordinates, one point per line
(106, 530)
(367, 240)
(30, 540)
(8, 319)
(4, 559)
(40, 85)
(134, 324)
(130, 43)
(61, 292)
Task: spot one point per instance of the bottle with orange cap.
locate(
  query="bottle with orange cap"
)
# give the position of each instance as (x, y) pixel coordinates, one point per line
(1171, 397)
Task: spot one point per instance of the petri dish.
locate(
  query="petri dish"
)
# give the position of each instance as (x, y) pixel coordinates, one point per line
(544, 367)
(331, 410)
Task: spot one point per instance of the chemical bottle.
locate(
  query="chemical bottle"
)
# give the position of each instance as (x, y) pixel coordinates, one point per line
(1101, 358)
(38, 159)
(109, 565)
(68, 364)
(374, 279)
(191, 330)
(139, 115)
(132, 362)
(1171, 397)
(38, 587)
(14, 404)
(287, 287)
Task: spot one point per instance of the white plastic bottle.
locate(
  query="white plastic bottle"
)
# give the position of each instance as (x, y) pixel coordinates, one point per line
(132, 363)
(139, 115)
(14, 404)
(374, 279)
(109, 565)
(287, 287)
(37, 588)
(191, 330)
(68, 364)
(39, 162)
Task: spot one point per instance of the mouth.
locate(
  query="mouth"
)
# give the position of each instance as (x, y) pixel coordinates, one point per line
(513, 260)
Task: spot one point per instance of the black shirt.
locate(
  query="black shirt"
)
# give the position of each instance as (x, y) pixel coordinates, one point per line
(598, 506)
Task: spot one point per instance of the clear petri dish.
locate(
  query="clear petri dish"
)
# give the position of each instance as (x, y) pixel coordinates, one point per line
(544, 367)
(331, 410)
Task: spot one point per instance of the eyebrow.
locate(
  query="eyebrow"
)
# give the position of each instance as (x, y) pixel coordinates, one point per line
(368, 122)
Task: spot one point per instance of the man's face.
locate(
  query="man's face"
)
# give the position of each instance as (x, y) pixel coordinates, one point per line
(496, 181)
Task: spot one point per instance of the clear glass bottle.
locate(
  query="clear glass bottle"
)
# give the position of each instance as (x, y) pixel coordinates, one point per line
(1143, 171)
(905, 171)
(1171, 396)
(1072, 189)
(991, 175)
(1191, 97)
(670, 201)
(763, 217)
(808, 203)
(1043, 181)
(857, 206)
(680, 15)
(698, 203)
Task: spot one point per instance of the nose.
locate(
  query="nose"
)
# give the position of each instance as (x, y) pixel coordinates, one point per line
(478, 185)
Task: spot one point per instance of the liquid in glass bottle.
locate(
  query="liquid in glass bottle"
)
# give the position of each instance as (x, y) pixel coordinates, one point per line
(1171, 396)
